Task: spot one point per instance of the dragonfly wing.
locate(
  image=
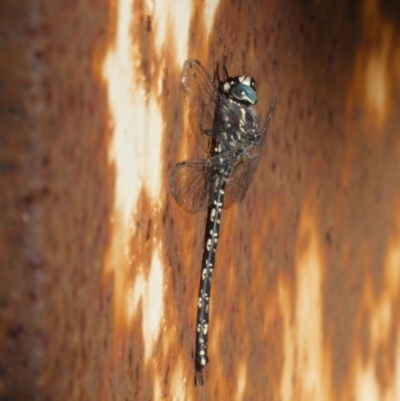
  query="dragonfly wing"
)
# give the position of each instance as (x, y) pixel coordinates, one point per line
(266, 125)
(240, 179)
(192, 183)
(203, 96)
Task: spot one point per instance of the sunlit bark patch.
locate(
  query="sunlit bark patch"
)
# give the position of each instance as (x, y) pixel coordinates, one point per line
(306, 372)
(147, 292)
(376, 68)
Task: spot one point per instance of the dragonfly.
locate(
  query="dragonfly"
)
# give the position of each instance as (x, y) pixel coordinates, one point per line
(226, 126)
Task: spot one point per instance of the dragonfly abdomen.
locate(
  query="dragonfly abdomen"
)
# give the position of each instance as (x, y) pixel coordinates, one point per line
(210, 247)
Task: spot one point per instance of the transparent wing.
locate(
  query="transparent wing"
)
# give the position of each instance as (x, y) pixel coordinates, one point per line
(264, 131)
(203, 97)
(242, 175)
(193, 183)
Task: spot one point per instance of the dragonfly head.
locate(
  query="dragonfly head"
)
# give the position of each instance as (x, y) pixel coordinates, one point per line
(241, 89)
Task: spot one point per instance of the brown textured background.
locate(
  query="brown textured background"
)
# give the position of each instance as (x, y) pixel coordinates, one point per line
(306, 293)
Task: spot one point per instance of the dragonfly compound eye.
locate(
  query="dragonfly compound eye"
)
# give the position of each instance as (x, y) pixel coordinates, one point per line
(244, 93)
